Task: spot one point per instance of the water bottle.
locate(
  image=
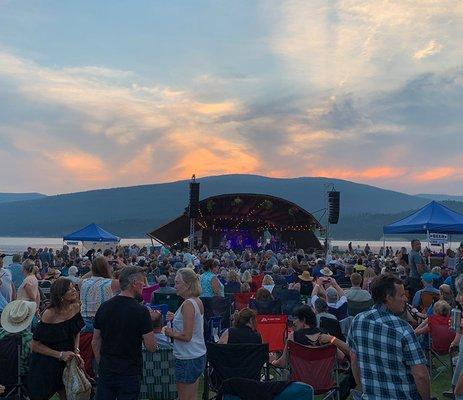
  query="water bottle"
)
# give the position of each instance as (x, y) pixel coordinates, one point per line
(455, 320)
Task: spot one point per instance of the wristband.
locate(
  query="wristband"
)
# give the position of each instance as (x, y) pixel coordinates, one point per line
(60, 355)
(332, 339)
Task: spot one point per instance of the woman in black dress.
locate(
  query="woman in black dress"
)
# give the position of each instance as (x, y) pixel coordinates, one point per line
(55, 341)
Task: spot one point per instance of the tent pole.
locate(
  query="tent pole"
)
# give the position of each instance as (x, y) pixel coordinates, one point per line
(429, 247)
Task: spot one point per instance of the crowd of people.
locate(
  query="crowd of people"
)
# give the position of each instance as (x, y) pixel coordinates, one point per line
(101, 293)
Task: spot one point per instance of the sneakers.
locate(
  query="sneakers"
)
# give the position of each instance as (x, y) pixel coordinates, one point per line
(448, 394)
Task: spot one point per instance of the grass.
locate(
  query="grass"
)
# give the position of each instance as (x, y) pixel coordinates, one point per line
(441, 384)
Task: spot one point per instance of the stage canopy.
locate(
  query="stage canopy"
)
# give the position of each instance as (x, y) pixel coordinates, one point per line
(91, 233)
(246, 211)
(433, 217)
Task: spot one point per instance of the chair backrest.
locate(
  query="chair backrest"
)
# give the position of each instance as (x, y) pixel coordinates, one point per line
(241, 300)
(356, 307)
(151, 278)
(217, 315)
(235, 361)
(148, 291)
(440, 333)
(158, 381)
(9, 361)
(266, 306)
(340, 312)
(290, 299)
(313, 365)
(172, 300)
(274, 330)
(256, 282)
(333, 327)
(427, 298)
(45, 287)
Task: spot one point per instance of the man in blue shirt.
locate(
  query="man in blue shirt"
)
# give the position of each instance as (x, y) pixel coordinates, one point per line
(428, 287)
(16, 270)
(387, 359)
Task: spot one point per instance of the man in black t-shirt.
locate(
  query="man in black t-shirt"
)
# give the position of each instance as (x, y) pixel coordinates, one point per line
(121, 324)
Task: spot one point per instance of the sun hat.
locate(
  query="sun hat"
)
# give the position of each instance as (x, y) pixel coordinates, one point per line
(305, 276)
(326, 271)
(18, 315)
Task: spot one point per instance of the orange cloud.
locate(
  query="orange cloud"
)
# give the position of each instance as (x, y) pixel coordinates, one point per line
(380, 172)
(82, 166)
(436, 174)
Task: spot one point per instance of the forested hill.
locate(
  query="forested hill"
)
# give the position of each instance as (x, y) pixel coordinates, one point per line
(133, 211)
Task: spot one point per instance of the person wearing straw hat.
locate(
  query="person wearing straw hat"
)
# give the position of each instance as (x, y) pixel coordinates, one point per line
(304, 284)
(16, 318)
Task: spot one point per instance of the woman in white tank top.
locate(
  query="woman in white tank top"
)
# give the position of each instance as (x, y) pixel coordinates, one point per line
(188, 335)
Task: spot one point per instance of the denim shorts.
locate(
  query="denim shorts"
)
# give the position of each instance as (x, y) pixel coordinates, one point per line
(188, 371)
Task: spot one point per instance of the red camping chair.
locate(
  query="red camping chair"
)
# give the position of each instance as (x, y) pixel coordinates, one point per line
(86, 352)
(256, 282)
(274, 330)
(440, 336)
(241, 300)
(148, 291)
(315, 366)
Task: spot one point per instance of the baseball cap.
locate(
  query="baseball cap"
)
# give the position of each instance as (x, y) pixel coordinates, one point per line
(428, 277)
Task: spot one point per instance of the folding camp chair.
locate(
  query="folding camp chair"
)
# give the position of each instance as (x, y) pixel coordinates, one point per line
(147, 292)
(440, 336)
(274, 330)
(315, 366)
(339, 313)
(45, 287)
(256, 282)
(290, 299)
(233, 387)
(10, 371)
(158, 381)
(217, 315)
(356, 307)
(333, 327)
(226, 361)
(172, 300)
(426, 299)
(241, 300)
(266, 306)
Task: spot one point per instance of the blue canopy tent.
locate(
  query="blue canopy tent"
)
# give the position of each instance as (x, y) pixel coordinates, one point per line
(433, 217)
(91, 233)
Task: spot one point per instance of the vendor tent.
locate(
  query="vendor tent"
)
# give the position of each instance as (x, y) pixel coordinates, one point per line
(91, 233)
(433, 217)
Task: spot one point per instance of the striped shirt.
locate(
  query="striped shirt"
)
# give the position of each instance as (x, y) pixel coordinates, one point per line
(93, 292)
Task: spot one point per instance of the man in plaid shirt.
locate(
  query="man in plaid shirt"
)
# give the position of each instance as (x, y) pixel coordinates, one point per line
(387, 360)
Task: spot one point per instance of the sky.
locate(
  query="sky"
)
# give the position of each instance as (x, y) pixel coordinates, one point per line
(98, 94)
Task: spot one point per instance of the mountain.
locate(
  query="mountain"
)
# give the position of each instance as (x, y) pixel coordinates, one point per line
(441, 197)
(133, 211)
(9, 197)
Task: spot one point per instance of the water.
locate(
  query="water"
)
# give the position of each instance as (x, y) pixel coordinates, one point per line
(11, 245)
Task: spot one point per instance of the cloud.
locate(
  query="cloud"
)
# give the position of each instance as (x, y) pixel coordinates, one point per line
(363, 45)
(431, 48)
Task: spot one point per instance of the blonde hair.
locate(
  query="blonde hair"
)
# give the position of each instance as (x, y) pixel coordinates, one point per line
(245, 287)
(30, 267)
(232, 276)
(369, 273)
(190, 279)
(268, 280)
(441, 307)
(246, 277)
